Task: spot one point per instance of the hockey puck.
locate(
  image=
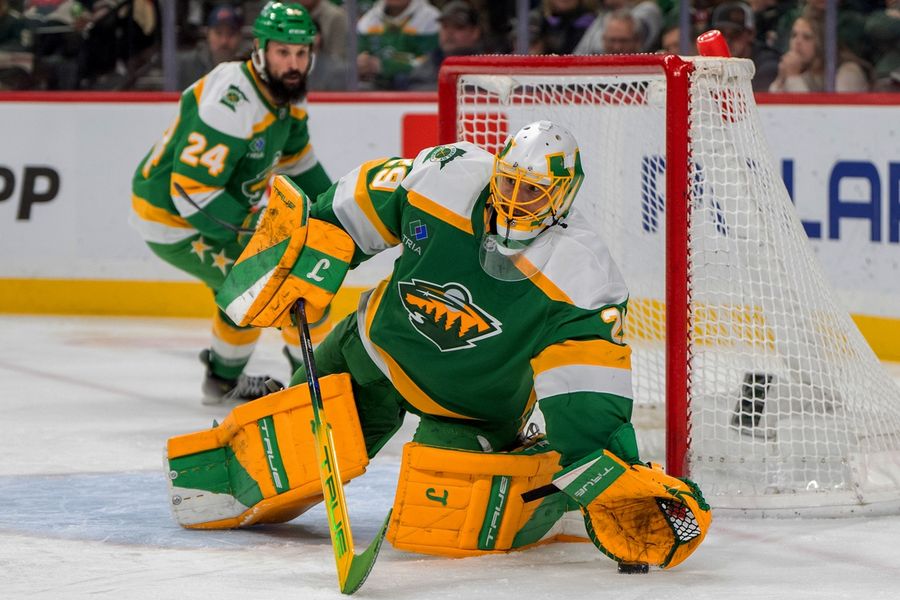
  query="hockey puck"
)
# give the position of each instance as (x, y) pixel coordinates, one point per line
(633, 568)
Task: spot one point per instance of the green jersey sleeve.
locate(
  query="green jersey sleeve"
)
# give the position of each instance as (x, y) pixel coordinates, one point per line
(367, 203)
(299, 161)
(582, 380)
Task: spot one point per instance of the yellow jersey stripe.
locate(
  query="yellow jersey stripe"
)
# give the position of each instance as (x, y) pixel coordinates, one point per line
(191, 186)
(436, 210)
(364, 201)
(411, 392)
(198, 90)
(550, 289)
(148, 212)
(297, 112)
(600, 353)
(294, 157)
(260, 86)
(264, 124)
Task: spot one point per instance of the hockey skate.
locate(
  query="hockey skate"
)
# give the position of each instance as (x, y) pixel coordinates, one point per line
(219, 390)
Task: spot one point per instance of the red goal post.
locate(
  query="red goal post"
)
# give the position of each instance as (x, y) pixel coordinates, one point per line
(772, 399)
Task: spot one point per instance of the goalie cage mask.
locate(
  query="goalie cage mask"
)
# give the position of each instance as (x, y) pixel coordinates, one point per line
(533, 184)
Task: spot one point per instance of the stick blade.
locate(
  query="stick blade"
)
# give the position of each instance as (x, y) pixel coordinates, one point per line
(362, 564)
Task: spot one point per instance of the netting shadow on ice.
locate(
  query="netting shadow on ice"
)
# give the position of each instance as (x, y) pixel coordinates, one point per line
(789, 409)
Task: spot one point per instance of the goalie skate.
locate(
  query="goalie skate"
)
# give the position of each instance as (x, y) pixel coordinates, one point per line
(219, 390)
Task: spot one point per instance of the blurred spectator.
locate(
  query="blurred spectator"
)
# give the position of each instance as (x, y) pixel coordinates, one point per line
(562, 24)
(802, 67)
(16, 59)
(850, 25)
(329, 73)
(670, 40)
(460, 34)
(11, 26)
(622, 33)
(648, 16)
(222, 44)
(121, 43)
(737, 23)
(333, 28)
(395, 36)
(498, 24)
(767, 14)
(891, 83)
(56, 26)
(883, 29)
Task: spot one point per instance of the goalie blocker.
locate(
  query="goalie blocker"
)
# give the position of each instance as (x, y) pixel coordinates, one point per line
(290, 256)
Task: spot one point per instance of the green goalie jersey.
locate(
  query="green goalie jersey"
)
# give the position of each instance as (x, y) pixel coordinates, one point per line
(457, 343)
(226, 142)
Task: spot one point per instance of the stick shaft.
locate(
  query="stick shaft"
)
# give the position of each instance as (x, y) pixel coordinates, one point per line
(329, 473)
(181, 192)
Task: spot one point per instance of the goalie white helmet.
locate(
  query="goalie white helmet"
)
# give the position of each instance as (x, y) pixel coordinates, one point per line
(535, 179)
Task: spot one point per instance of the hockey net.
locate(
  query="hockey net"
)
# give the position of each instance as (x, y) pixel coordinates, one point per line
(758, 385)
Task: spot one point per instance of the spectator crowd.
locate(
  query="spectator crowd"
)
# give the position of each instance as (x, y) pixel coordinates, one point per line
(400, 44)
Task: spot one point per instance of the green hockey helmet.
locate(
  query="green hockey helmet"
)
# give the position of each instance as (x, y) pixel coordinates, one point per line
(286, 23)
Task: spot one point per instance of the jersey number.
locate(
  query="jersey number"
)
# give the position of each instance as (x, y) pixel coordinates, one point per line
(391, 175)
(158, 150)
(213, 159)
(613, 316)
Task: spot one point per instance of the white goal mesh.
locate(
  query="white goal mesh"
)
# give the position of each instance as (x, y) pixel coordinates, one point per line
(789, 411)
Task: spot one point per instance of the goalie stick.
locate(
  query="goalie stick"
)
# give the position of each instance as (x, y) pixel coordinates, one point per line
(352, 569)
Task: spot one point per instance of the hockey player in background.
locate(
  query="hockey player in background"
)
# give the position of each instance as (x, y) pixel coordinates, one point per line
(235, 127)
(503, 299)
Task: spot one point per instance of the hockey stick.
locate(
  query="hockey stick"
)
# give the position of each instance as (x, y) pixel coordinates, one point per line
(352, 568)
(184, 195)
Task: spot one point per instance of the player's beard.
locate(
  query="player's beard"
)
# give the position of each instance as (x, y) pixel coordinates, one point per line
(284, 92)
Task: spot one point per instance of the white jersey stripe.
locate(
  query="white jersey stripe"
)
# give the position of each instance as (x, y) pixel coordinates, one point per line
(159, 233)
(362, 312)
(301, 164)
(201, 199)
(232, 352)
(583, 378)
(353, 219)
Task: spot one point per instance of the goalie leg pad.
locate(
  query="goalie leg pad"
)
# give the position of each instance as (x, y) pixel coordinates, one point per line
(463, 503)
(259, 465)
(635, 513)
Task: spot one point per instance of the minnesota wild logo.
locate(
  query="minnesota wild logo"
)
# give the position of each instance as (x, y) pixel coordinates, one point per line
(445, 154)
(232, 97)
(446, 315)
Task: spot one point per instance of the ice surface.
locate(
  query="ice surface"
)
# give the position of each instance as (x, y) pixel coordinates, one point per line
(86, 405)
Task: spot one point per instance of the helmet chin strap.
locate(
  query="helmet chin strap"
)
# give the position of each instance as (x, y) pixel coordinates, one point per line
(495, 225)
(258, 59)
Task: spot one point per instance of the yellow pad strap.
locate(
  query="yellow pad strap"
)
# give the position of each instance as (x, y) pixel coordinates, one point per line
(259, 464)
(461, 503)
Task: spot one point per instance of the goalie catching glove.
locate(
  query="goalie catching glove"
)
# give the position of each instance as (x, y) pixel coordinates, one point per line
(290, 256)
(636, 513)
